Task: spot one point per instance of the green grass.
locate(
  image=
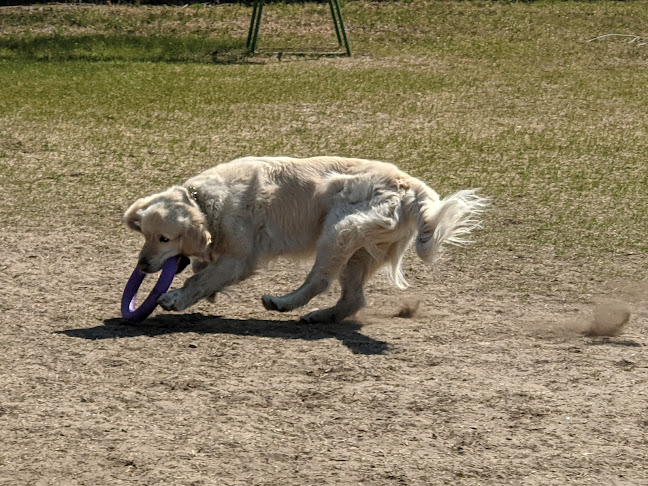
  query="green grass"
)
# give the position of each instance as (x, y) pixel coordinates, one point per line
(103, 104)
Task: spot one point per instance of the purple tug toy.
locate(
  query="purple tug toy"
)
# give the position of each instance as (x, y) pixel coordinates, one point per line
(171, 267)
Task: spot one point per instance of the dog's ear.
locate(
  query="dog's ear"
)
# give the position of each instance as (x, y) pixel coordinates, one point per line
(186, 195)
(195, 238)
(133, 215)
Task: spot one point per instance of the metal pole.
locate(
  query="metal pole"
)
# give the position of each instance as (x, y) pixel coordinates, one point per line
(252, 22)
(255, 24)
(335, 23)
(339, 17)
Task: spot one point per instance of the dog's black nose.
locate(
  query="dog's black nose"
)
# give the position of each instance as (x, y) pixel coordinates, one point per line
(143, 265)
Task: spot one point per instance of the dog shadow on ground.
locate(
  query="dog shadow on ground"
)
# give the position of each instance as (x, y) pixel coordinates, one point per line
(348, 332)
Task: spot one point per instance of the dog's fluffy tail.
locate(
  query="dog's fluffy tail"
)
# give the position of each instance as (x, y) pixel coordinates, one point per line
(450, 220)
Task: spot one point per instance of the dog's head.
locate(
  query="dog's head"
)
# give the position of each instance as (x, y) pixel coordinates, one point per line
(172, 224)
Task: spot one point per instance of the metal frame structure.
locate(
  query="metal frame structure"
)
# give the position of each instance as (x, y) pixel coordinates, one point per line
(338, 23)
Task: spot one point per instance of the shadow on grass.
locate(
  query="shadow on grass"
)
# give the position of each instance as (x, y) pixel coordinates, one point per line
(348, 333)
(132, 48)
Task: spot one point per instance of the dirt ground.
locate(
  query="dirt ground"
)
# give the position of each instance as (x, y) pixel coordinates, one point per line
(480, 386)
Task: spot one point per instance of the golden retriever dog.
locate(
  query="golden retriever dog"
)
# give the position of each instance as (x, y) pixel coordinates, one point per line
(355, 216)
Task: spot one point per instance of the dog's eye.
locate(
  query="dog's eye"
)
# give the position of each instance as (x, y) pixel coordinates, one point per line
(164, 239)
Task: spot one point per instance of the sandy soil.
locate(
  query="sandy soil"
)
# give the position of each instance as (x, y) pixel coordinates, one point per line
(479, 386)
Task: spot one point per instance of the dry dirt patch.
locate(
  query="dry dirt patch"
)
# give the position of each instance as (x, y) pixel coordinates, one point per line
(474, 387)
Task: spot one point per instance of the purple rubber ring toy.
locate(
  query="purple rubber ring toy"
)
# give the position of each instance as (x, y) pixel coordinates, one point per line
(170, 268)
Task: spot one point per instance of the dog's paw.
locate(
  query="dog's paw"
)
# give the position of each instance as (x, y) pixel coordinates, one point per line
(323, 316)
(275, 304)
(172, 301)
(269, 303)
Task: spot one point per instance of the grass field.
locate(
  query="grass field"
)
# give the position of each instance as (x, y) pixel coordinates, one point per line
(100, 105)
(509, 97)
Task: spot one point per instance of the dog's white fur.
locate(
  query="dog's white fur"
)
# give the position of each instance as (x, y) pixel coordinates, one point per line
(355, 215)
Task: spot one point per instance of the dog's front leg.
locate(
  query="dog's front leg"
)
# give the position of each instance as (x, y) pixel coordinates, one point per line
(214, 278)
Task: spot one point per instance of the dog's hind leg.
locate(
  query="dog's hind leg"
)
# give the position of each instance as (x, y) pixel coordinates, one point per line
(358, 270)
(334, 249)
(348, 229)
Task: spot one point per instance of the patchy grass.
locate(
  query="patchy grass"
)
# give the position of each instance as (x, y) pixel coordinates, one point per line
(107, 103)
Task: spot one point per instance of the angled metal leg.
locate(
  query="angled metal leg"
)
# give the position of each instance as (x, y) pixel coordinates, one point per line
(336, 13)
(252, 22)
(255, 23)
(335, 23)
